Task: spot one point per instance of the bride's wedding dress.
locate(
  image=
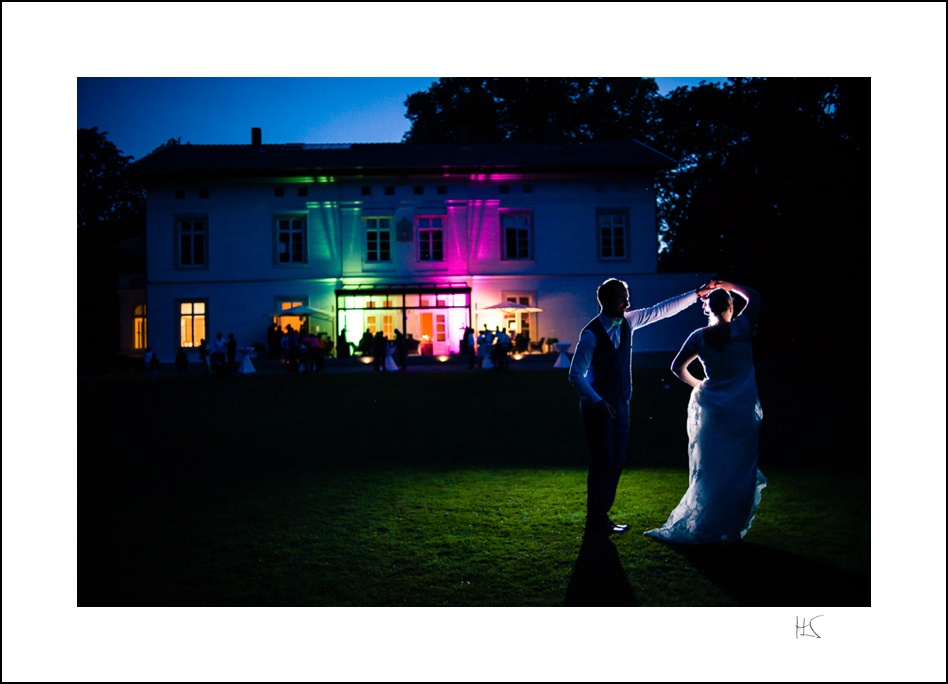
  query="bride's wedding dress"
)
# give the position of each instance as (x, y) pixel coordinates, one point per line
(390, 364)
(724, 415)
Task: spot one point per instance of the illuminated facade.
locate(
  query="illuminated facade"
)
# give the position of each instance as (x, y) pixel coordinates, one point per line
(421, 238)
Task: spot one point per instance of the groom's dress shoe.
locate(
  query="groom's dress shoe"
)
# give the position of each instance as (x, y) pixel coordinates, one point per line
(607, 528)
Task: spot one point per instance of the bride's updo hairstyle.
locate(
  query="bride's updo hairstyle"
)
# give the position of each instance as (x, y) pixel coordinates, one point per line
(717, 302)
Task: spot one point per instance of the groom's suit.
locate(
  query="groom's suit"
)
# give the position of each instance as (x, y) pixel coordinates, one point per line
(608, 438)
(601, 369)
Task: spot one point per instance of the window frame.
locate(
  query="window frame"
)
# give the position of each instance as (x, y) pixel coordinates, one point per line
(180, 315)
(290, 231)
(179, 234)
(609, 213)
(506, 214)
(429, 235)
(140, 326)
(373, 224)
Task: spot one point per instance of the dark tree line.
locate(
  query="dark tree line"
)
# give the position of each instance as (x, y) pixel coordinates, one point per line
(110, 240)
(531, 109)
(771, 187)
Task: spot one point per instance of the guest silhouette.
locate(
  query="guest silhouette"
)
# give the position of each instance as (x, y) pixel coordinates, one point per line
(181, 362)
(378, 351)
(401, 350)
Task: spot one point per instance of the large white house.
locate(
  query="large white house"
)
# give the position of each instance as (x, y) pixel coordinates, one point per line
(418, 237)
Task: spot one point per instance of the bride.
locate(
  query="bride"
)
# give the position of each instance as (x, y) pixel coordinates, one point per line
(724, 414)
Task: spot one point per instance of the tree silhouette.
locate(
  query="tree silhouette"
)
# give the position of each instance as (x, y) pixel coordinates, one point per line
(771, 186)
(111, 212)
(108, 198)
(530, 109)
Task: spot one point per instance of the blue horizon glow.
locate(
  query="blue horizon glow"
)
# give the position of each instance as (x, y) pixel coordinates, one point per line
(140, 114)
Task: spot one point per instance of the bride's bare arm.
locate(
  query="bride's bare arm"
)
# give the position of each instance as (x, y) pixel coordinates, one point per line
(680, 367)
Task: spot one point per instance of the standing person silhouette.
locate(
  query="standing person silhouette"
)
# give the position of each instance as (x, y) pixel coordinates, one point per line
(219, 355)
(181, 362)
(231, 346)
(601, 373)
(724, 417)
(204, 356)
(401, 351)
(367, 344)
(470, 347)
(380, 345)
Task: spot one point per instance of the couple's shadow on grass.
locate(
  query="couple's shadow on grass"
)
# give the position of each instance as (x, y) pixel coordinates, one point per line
(598, 578)
(760, 576)
(752, 575)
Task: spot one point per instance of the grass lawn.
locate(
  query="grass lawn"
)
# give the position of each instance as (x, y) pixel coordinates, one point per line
(437, 489)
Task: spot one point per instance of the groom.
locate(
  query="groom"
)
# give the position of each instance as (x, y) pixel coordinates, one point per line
(601, 372)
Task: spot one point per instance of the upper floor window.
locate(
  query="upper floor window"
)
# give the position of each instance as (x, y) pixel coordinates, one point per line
(291, 239)
(378, 239)
(517, 227)
(613, 233)
(430, 238)
(191, 241)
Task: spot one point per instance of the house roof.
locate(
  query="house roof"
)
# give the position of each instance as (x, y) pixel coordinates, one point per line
(385, 158)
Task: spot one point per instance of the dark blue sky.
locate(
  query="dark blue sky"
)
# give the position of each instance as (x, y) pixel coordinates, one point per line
(139, 114)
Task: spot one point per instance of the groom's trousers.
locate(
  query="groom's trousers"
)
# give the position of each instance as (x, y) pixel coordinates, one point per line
(608, 440)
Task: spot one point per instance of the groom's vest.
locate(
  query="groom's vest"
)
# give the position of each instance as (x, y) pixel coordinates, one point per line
(611, 367)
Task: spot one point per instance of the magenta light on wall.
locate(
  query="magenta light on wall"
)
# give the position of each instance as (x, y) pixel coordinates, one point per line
(495, 177)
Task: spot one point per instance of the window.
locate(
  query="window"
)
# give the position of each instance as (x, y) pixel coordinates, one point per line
(192, 323)
(612, 229)
(179, 193)
(191, 241)
(504, 189)
(389, 189)
(366, 189)
(518, 321)
(516, 228)
(430, 238)
(378, 239)
(442, 190)
(419, 189)
(302, 191)
(204, 193)
(278, 192)
(140, 322)
(291, 239)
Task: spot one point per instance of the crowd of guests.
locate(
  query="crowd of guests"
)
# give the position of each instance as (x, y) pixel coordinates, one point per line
(490, 349)
(302, 351)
